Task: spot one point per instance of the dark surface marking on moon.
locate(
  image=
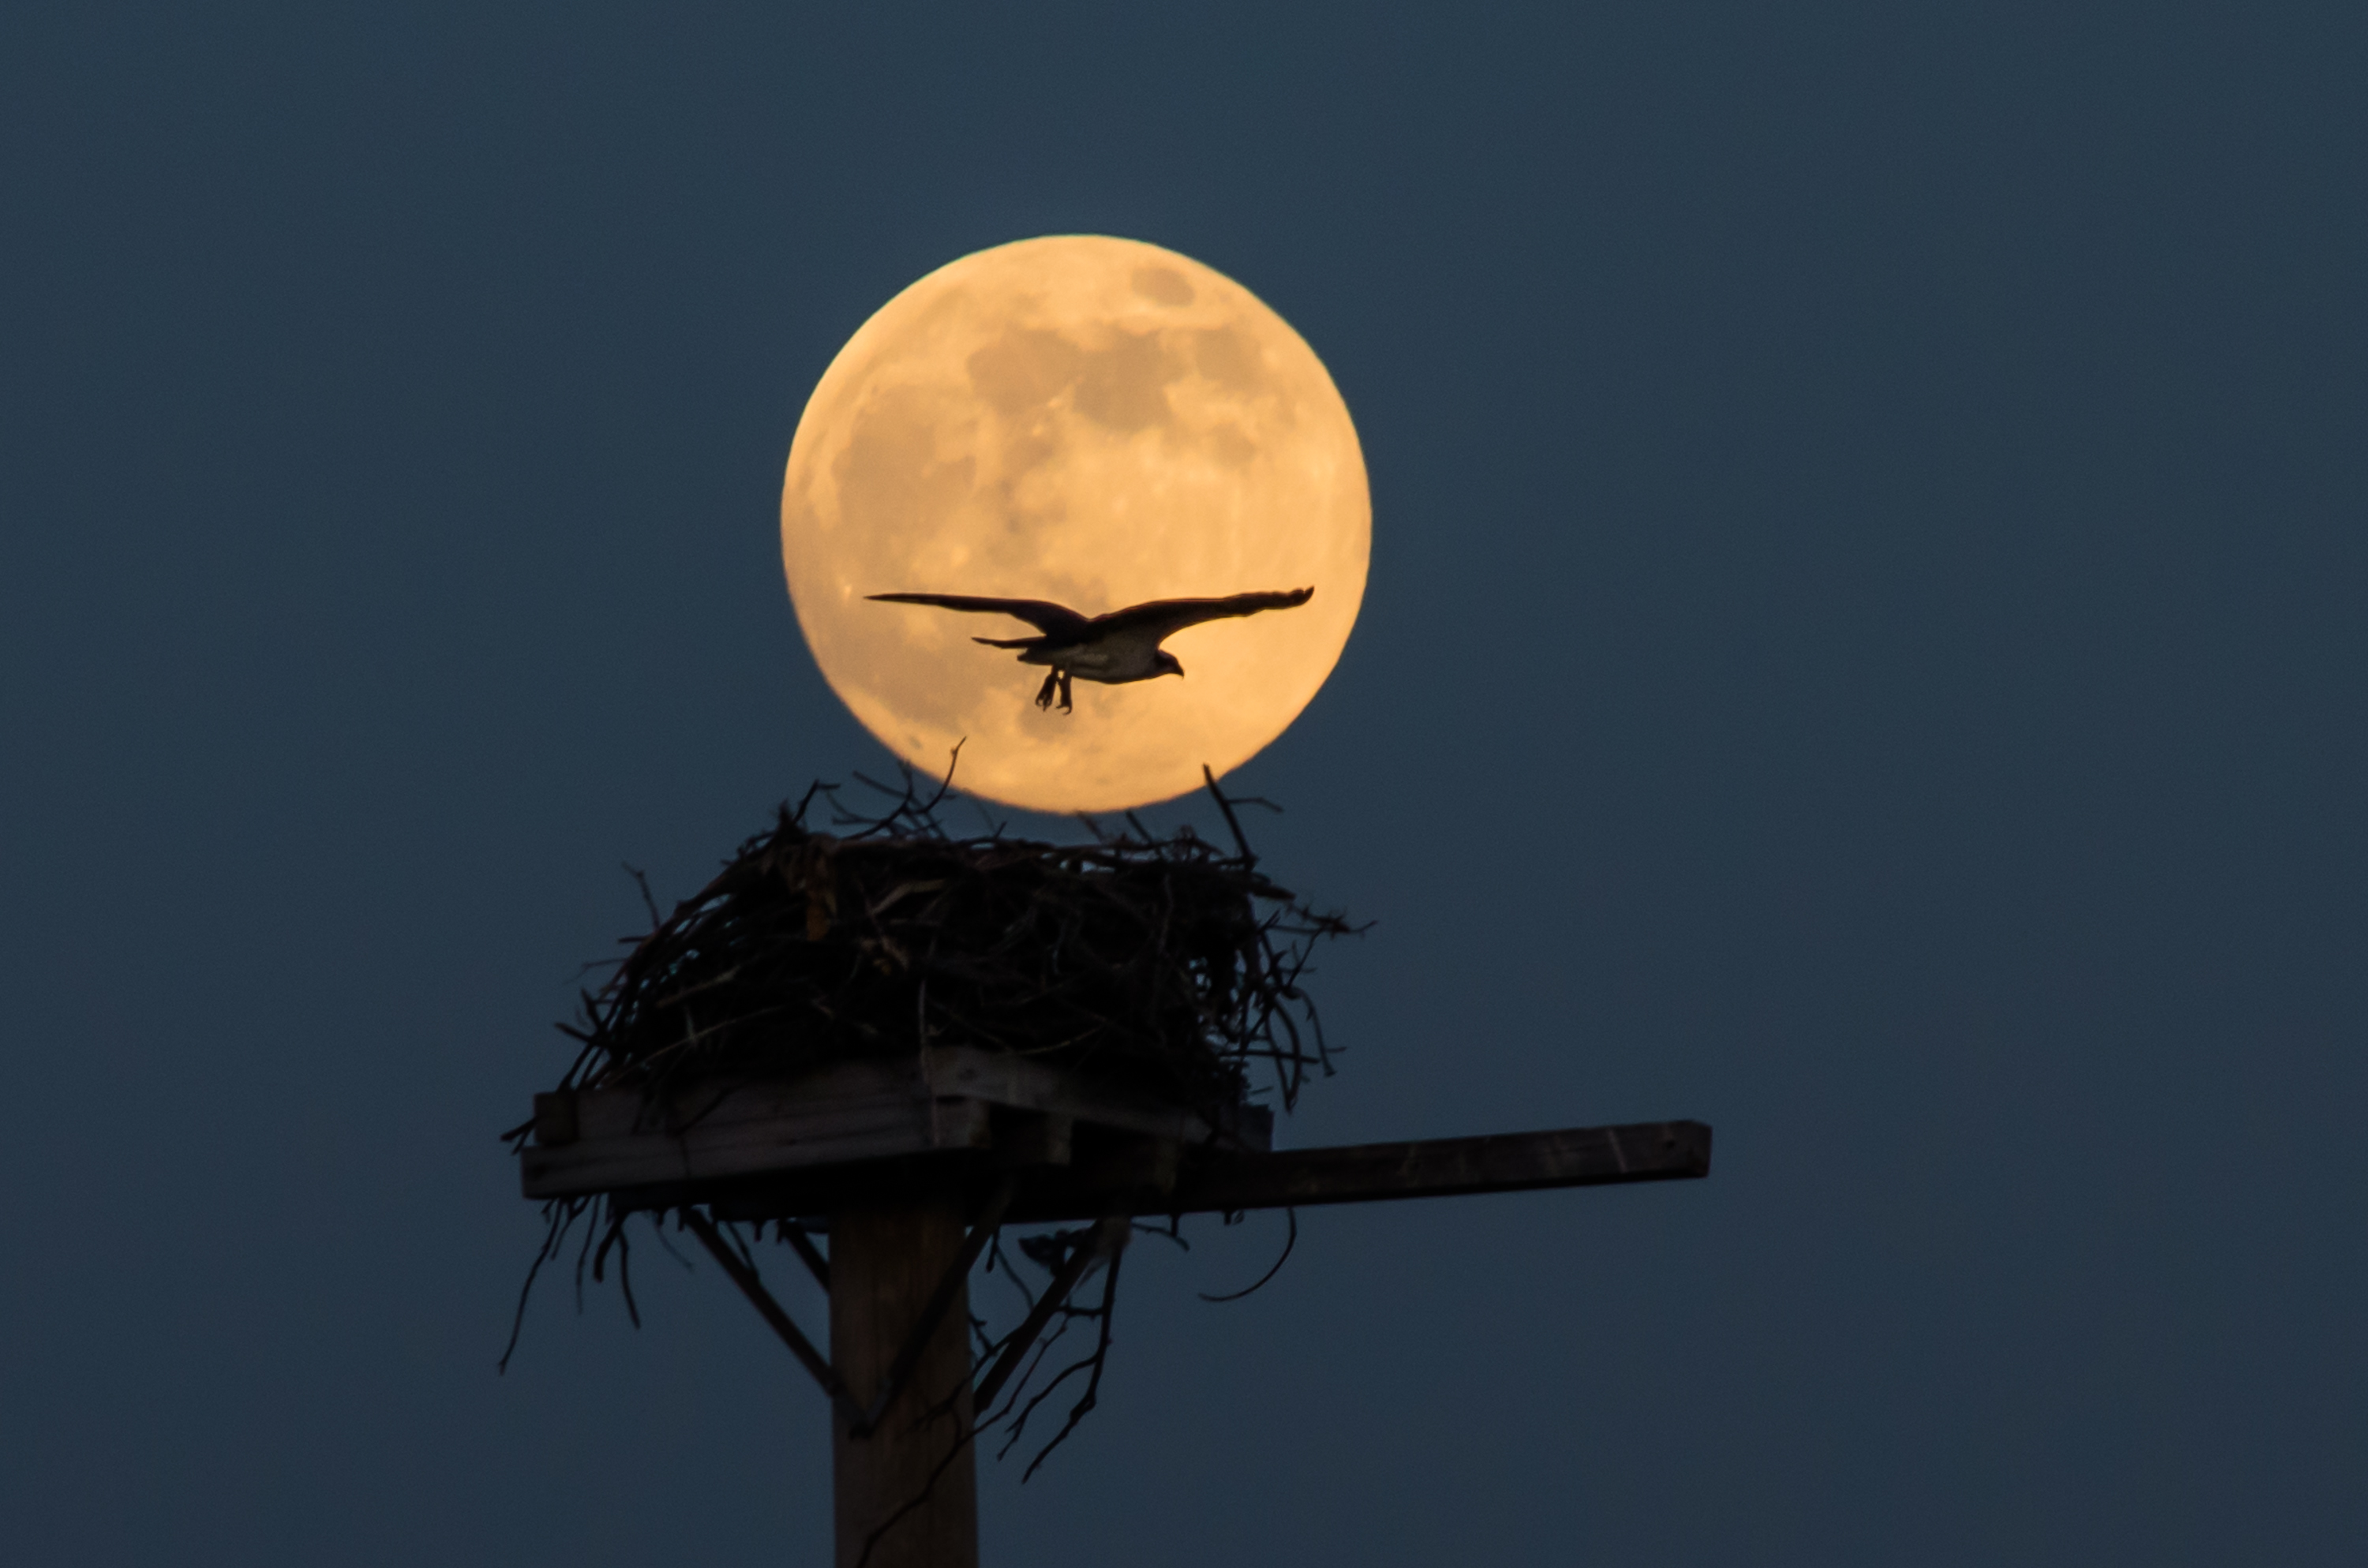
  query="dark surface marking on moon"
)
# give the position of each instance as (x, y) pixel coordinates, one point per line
(1025, 368)
(1163, 285)
(1228, 358)
(1125, 386)
(1232, 448)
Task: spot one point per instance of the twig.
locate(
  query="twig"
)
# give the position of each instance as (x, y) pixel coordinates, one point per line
(1289, 1241)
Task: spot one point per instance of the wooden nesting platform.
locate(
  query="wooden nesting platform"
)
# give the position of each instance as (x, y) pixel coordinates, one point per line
(956, 1121)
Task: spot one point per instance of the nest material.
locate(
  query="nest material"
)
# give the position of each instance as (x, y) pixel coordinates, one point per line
(1167, 966)
(1164, 965)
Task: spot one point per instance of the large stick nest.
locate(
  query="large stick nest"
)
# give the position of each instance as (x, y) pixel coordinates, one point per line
(1169, 966)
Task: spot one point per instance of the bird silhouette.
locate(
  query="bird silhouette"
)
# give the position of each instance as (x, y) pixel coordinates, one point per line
(1113, 649)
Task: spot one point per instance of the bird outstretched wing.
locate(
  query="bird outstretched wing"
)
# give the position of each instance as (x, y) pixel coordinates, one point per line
(1052, 619)
(1160, 618)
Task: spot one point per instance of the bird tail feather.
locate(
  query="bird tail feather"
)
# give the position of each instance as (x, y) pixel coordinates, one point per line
(1008, 642)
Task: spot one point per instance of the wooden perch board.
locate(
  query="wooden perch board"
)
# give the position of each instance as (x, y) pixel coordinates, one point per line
(1438, 1167)
(1146, 1176)
(1135, 1175)
(1133, 1178)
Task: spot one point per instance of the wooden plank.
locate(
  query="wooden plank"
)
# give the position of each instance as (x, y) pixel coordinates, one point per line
(602, 1139)
(1441, 1167)
(1147, 1176)
(1025, 1084)
(856, 1111)
(708, 1155)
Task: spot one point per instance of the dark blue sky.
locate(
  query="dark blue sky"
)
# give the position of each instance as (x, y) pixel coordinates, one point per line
(1865, 647)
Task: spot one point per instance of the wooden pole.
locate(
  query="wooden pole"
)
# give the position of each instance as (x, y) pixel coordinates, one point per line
(907, 1489)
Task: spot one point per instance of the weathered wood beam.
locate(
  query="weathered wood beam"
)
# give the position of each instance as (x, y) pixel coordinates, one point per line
(902, 1480)
(601, 1139)
(1148, 1177)
(950, 1285)
(736, 1268)
(1107, 1237)
(1215, 1181)
(816, 1265)
(606, 1140)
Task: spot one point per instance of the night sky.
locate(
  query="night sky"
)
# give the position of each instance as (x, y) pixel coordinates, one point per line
(1865, 648)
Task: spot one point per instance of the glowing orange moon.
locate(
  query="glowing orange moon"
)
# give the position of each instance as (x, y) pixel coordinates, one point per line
(1096, 422)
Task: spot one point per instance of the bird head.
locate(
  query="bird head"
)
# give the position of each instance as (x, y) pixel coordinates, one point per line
(1166, 664)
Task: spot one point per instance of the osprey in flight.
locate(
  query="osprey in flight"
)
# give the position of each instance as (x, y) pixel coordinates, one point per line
(1113, 649)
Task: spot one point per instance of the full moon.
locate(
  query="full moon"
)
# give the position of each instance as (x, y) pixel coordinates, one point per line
(1096, 422)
